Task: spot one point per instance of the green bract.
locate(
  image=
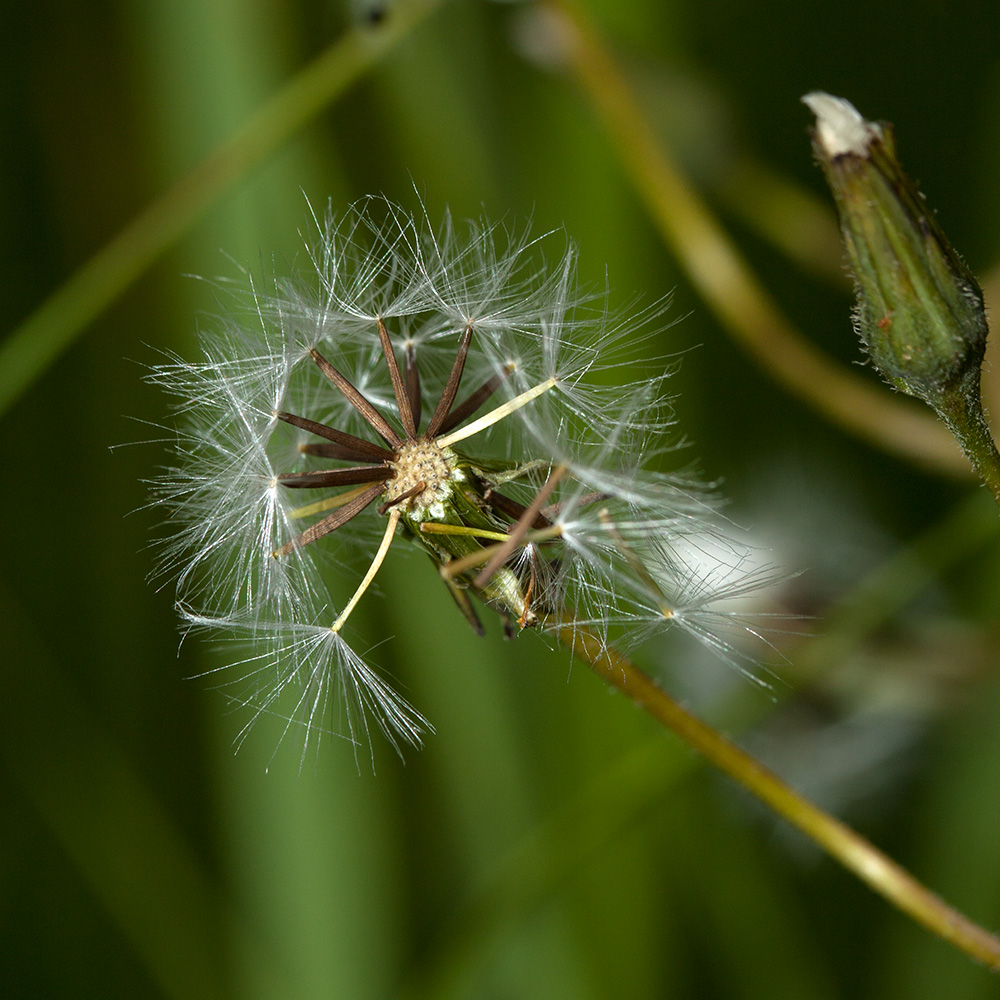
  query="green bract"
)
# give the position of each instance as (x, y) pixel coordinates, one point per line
(919, 310)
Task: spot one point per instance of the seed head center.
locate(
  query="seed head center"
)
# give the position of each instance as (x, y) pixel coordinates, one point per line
(421, 462)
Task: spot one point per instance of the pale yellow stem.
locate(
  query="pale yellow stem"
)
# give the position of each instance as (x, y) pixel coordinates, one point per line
(488, 419)
(638, 566)
(517, 532)
(433, 528)
(457, 566)
(329, 503)
(390, 530)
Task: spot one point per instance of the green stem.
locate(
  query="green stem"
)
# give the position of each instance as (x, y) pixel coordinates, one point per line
(48, 331)
(962, 411)
(855, 853)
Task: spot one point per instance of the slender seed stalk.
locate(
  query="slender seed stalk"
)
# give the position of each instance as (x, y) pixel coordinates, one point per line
(519, 530)
(390, 531)
(638, 566)
(867, 862)
(457, 566)
(338, 500)
(504, 410)
(433, 528)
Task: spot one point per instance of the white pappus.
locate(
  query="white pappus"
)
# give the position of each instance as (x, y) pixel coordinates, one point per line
(449, 385)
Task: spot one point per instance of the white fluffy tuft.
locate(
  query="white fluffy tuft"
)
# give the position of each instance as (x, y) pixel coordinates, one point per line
(603, 415)
(840, 128)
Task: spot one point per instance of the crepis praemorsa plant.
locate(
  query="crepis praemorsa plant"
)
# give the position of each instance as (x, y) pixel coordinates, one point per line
(448, 386)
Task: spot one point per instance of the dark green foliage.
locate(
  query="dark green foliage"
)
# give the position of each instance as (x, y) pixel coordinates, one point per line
(549, 842)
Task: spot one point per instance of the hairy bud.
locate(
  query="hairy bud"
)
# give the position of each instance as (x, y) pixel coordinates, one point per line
(919, 312)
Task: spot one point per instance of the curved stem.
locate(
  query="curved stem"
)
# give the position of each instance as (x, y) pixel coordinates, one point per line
(55, 324)
(855, 853)
(376, 565)
(727, 282)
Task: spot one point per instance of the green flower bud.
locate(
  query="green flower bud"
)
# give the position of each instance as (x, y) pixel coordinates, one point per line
(919, 312)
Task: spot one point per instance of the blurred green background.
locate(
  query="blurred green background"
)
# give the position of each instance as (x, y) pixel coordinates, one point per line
(549, 841)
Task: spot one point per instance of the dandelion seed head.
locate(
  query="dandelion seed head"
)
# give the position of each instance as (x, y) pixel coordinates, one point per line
(450, 386)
